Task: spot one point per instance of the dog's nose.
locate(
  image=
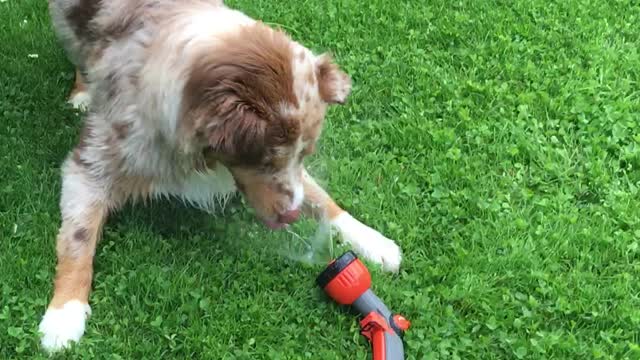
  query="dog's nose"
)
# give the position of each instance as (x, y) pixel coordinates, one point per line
(289, 216)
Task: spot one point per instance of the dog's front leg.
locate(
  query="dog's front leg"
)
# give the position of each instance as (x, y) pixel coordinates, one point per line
(84, 210)
(366, 241)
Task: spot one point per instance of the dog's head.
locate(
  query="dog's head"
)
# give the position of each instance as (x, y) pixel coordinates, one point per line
(256, 102)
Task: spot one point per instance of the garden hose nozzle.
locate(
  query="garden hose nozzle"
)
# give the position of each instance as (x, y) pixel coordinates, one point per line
(347, 281)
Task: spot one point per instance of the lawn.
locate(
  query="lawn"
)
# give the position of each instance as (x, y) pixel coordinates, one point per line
(497, 141)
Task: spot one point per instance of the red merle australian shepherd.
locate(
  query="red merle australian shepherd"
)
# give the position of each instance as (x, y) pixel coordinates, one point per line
(192, 99)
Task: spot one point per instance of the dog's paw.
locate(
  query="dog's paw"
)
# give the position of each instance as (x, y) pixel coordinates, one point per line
(80, 100)
(369, 243)
(61, 326)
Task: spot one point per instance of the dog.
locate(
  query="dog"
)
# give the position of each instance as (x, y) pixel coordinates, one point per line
(194, 100)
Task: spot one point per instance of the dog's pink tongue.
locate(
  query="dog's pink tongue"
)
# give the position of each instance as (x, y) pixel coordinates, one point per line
(274, 225)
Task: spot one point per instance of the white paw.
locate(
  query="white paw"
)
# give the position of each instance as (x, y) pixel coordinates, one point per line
(80, 100)
(61, 326)
(368, 243)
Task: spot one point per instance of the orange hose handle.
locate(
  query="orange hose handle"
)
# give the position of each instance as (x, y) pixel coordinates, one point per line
(373, 327)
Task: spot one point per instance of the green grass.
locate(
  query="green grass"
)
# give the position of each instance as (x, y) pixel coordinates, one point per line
(497, 141)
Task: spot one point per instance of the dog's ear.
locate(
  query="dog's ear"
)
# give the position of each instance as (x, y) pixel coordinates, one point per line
(224, 112)
(334, 84)
(238, 135)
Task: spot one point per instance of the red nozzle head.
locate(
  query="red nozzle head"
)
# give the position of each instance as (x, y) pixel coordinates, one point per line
(345, 279)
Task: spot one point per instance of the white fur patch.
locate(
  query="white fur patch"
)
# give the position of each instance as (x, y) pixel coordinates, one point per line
(208, 191)
(303, 69)
(61, 326)
(367, 242)
(80, 100)
(298, 196)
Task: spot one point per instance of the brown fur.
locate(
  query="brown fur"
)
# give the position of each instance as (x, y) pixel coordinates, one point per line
(81, 15)
(75, 247)
(133, 15)
(81, 234)
(232, 99)
(311, 79)
(121, 130)
(73, 280)
(328, 74)
(265, 196)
